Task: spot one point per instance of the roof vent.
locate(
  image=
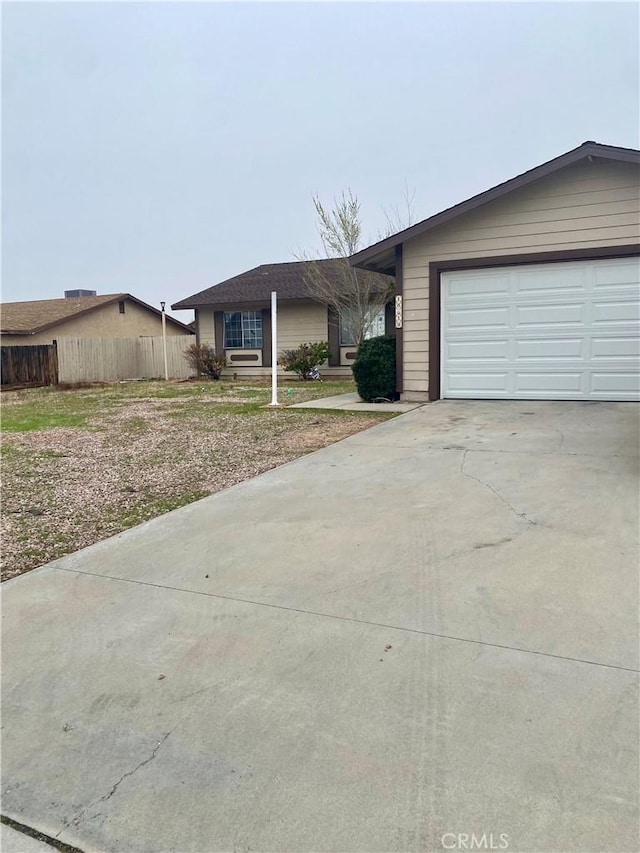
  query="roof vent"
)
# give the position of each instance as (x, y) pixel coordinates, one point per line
(73, 294)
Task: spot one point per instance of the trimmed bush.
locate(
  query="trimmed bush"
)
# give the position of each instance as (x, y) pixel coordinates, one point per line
(374, 368)
(304, 358)
(205, 360)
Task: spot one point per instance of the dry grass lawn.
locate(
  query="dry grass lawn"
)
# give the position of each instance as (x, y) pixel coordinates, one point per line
(84, 464)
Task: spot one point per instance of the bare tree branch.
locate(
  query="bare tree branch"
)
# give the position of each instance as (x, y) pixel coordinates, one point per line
(357, 296)
(400, 216)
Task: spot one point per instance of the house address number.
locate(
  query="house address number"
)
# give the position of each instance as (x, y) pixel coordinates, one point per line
(398, 312)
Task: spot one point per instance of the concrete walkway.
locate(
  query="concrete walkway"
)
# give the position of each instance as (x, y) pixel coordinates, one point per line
(424, 631)
(353, 403)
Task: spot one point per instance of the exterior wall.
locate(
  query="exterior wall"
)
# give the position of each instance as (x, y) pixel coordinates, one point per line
(301, 322)
(105, 322)
(583, 206)
(206, 330)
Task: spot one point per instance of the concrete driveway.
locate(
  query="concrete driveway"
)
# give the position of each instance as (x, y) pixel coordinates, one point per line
(425, 633)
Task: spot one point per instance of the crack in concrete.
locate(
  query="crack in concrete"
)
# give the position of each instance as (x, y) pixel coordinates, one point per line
(75, 821)
(526, 452)
(348, 619)
(135, 769)
(522, 515)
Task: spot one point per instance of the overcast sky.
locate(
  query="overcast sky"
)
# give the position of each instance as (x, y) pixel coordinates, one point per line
(159, 148)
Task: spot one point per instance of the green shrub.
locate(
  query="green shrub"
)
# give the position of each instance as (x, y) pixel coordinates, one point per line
(304, 358)
(205, 360)
(374, 368)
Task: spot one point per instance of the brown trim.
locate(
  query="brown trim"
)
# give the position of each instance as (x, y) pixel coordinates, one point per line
(389, 319)
(196, 323)
(218, 330)
(266, 337)
(254, 305)
(379, 257)
(244, 356)
(436, 268)
(333, 333)
(399, 332)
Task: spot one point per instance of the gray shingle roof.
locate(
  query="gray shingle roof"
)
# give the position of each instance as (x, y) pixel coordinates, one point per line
(256, 285)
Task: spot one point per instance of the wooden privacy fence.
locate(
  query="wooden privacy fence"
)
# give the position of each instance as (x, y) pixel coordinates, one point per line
(30, 365)
(108, 359)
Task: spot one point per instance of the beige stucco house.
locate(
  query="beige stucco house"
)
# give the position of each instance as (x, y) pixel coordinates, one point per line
(530, 290)
(115, 315)
(234, 317)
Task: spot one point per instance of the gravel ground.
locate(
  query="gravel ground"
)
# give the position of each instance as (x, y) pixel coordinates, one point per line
(136, 457)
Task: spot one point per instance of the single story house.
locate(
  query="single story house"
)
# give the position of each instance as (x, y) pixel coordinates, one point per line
(234, 317)
(530, 290)
(115, 315)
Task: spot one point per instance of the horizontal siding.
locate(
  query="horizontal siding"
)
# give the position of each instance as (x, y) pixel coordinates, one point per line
(584, 206)
(206, 332)
(300, 323)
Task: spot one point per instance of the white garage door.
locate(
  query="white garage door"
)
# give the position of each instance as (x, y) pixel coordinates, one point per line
(565, 331)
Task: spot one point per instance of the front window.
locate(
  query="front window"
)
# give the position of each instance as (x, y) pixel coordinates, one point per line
(349, 324)
(243, 329)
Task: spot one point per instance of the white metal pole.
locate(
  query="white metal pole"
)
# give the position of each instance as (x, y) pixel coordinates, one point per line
(164, 342)
(274, 349)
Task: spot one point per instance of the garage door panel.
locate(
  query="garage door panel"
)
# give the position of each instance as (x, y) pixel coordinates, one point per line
(562, 331)
(479, 318)
(470, 383)
(479, 285)
(472, 350)
(550, 280)
(618, 311)
(565, 314)
(618, 348)
(616, 274)
(550, 349)
(550, 380)
(609, 382)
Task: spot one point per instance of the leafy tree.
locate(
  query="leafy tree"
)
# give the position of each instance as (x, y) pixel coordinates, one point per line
(205, 360)
(304, 358)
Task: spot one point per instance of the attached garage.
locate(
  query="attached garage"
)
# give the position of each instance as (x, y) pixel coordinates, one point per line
(530, 290)
(562, 331)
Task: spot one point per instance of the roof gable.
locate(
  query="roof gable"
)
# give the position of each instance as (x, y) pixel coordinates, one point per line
(380, 257)
(38, 315)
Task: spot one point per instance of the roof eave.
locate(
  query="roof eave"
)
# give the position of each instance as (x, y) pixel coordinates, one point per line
(378, 255)
(222, 306)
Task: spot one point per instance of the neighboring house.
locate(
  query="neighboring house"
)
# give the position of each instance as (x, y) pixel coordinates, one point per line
(529, 290)
(116, 315)
(235, 317)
